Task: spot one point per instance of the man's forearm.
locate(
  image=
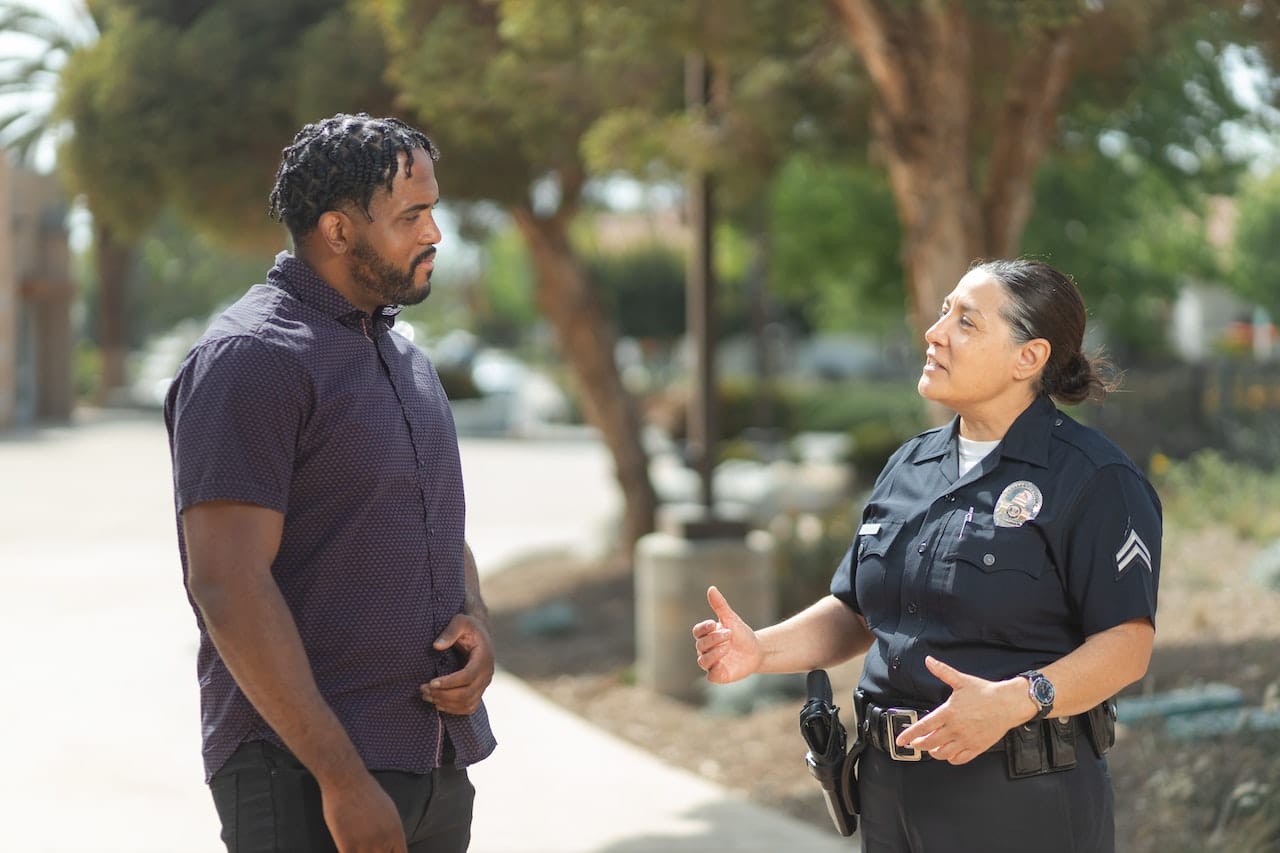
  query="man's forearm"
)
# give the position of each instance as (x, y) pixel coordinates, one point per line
(255, 635)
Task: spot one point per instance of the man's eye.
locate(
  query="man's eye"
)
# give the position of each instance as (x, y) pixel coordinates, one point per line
(965, 321)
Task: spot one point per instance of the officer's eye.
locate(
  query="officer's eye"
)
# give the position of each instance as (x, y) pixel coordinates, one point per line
(965, 321)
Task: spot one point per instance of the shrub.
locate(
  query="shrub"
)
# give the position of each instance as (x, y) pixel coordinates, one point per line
(1207, 488)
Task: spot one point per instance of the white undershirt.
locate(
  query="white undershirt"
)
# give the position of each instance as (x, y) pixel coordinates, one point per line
(972, 452)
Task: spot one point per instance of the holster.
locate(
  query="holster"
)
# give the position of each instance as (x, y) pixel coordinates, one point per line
(827, 759)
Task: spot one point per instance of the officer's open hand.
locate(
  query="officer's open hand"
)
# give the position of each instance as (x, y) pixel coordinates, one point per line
(975, 716)
(727, 647)
(460, 692)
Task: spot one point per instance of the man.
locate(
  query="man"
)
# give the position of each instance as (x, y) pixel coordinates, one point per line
(343, 640)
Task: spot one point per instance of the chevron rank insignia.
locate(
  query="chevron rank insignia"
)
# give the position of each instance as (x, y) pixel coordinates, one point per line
(1134, 550)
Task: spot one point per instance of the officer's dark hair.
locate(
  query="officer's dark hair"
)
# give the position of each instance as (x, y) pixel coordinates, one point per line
(338, 162)
(1045, 303)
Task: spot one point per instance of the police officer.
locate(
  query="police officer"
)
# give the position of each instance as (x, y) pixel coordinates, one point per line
(1002, 584)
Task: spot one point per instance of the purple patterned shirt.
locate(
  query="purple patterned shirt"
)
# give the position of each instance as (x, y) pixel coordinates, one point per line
(297, 401)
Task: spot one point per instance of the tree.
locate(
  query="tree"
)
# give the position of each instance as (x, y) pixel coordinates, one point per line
(30, 80)
(142, 140)
(510, 89)
(516, 92)
(970, 96)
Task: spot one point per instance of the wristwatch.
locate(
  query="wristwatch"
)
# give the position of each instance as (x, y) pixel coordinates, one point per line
(1041, 691)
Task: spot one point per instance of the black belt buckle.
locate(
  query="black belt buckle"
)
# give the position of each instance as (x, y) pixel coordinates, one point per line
(896, 721)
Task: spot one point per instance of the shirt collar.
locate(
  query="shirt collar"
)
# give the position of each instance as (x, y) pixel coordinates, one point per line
(292, 275)
(1026, 440)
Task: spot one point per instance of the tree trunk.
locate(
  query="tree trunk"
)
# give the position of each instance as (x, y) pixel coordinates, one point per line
(926, 126)
(587, 340)
(113, 260)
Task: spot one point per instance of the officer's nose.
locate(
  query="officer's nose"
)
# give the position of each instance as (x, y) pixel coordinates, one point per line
(933, 335)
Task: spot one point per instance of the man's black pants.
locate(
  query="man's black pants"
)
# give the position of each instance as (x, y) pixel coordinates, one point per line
(270, 803)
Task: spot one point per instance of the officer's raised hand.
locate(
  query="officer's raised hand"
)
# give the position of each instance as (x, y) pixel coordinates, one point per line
(976, 715)
(727, 647)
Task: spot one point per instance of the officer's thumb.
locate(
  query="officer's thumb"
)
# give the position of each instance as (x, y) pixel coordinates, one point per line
(948, 675)
(720, 606)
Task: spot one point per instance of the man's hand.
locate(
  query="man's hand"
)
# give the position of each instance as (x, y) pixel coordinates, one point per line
(727, 647)
(976, 715)
(361, 817)
(460, 692)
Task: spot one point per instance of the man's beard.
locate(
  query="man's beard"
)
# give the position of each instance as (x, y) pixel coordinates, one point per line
(391, 286)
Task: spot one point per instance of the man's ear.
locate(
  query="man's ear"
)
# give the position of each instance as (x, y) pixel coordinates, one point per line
(336, 232)
(1032, 357)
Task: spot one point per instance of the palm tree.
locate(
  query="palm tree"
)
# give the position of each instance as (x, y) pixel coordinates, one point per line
(39, 42)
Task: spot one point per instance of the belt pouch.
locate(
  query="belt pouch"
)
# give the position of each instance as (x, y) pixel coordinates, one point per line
(1101, 721)
(1061, 735)
(1025, 751)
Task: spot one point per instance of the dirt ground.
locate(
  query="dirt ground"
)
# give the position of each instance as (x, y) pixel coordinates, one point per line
(567, 628)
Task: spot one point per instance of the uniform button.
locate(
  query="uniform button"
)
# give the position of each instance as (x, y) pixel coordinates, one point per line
(912, 608)
(897, 662)
(988, 559)
(951, 499)
(1058, 422)
(920, 550)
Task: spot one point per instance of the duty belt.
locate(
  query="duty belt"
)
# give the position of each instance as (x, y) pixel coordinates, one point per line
(881, 727)
(1044, 746)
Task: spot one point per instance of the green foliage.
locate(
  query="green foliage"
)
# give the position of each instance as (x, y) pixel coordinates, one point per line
(181, 275)
(510, 88)
(506, 307)
(643, 290)
(29, 74)
(836, 245)
(877, 416)
(1255, 253)
(1210, 489)
(1129, 249)
(192, 106)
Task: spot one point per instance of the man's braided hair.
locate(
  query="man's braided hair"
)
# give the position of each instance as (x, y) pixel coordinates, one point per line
(338, 162)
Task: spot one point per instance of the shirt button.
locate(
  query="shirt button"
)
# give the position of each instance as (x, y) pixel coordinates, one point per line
(1058, 422)
(912, 608)
(920, 550)
(897, 662)
(988, 559)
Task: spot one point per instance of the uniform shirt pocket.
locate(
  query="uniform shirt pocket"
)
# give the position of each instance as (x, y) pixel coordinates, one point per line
(1002, 587)
(877, 575)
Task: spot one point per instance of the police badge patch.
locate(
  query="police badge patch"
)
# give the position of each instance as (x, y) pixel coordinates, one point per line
(1020, 502)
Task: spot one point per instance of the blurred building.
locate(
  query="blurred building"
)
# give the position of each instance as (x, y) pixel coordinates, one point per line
(36, 295)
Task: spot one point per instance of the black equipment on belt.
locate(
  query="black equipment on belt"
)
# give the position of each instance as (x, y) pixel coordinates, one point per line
(1033, 748)
(827, 759)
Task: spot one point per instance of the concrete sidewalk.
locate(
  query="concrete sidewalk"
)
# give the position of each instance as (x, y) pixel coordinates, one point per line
(97, 649)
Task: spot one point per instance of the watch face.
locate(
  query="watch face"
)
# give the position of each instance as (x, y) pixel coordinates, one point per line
(1042, 691)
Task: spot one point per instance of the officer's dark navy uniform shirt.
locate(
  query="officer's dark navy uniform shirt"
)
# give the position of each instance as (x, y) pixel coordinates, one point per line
(298, 401)
(1053, 537)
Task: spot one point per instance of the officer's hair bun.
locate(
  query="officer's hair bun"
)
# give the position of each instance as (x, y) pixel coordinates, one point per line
(1078, 378)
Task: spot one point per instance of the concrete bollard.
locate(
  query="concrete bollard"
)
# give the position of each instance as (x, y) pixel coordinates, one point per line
(672, 574)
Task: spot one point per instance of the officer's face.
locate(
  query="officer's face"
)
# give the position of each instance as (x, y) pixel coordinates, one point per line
(971, 357)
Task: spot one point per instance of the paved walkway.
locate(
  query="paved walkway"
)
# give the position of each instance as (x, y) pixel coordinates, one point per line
(97, 646)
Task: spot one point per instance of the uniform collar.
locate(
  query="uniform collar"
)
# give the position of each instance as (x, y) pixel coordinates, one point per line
(292, 275)
(1027, 439)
